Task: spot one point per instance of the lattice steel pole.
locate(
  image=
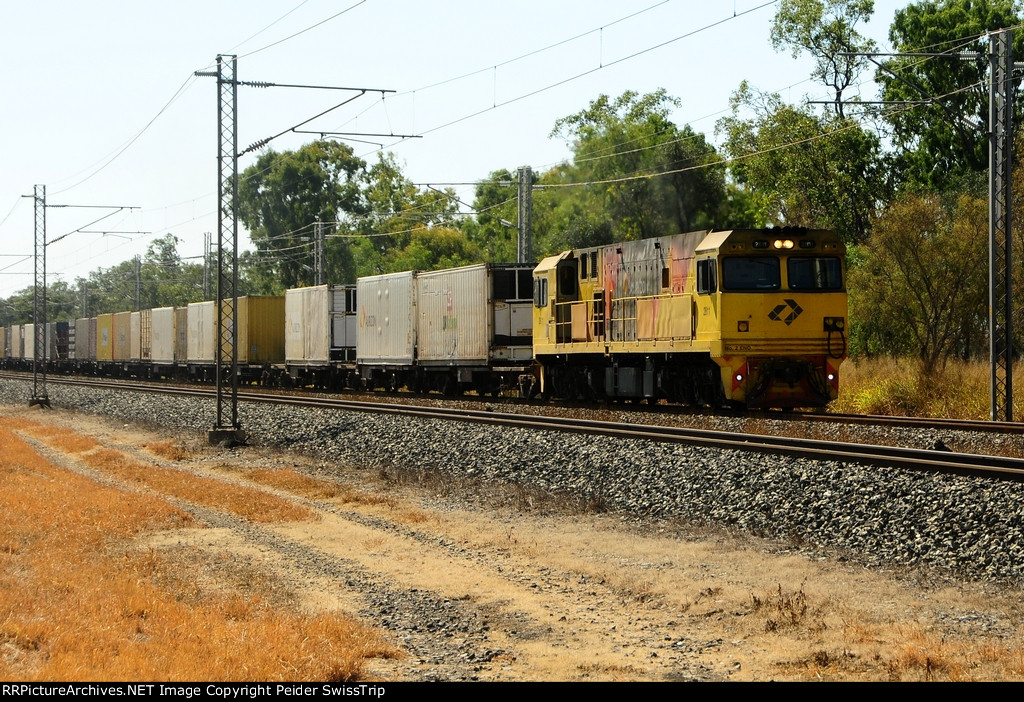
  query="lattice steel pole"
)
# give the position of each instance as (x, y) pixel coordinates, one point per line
(1000, 217)
(525, 247)
(227, 426)
(39, 396)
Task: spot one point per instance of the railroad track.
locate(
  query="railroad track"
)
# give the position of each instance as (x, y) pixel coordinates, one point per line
(997, 467)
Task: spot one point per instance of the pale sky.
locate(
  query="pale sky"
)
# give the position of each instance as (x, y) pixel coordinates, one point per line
(81, 80)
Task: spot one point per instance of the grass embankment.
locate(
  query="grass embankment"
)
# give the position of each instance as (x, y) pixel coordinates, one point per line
(898, 387)
(82, 599)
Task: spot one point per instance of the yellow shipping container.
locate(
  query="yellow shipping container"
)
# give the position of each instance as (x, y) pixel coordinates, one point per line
(122, 347)
(105, 337)
(260, 329)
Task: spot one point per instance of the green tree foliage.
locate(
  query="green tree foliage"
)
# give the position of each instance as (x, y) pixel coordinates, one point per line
(61, 304)
(167, 280)
(280, 198)
(826, 30)
(158, 279)
(632, 135)
(921, 287)
(947, 138)
(407, 227)
(112, 289)
(803, 169)
(494, 229)
(373, 215)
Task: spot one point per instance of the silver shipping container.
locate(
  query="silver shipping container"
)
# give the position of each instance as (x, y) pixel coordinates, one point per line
(320, 324)
(163, 336)
(85, 339)
(387, 319)
(344, 323)
(476, 315)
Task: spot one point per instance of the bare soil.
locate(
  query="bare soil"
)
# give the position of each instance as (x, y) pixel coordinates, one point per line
(505, 583)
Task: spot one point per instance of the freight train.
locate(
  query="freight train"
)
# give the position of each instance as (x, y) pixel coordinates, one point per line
(744, 317)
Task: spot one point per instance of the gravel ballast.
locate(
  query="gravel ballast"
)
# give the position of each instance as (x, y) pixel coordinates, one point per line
(963, 526)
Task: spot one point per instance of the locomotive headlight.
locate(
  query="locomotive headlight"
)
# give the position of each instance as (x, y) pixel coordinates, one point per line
(783, 243)
(835, 324)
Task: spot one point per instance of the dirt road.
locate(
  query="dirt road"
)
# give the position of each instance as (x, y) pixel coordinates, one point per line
(501, 583)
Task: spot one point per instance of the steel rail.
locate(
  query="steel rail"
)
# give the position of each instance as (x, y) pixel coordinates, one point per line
(999, 467)
(938, 423)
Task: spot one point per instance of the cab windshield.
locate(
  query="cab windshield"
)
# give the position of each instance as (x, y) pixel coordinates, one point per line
(814, 273)
(750, 273)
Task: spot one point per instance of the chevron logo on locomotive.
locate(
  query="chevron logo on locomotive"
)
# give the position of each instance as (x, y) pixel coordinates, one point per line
(776, 314)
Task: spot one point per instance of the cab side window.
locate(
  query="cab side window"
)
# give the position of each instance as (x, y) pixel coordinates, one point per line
(540, 292)
(707, 280)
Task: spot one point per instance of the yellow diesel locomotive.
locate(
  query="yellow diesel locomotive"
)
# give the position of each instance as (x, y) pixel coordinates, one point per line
(746, 317)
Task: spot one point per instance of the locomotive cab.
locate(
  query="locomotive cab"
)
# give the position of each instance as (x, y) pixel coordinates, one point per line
(781, 305)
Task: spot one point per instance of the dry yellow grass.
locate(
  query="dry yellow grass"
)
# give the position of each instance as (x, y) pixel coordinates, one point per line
(169, 450)
(896, 386)
(254, 505)
(296, 483)
(79, 602)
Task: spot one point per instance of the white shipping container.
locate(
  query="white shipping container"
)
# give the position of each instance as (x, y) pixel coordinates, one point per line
(306, 320)
(201, 332)
(85, 339)
(387, 319)
(135, 336)
(28, 342)
(475, 315)
(163, 335)
(320, 324)
(454, 324)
